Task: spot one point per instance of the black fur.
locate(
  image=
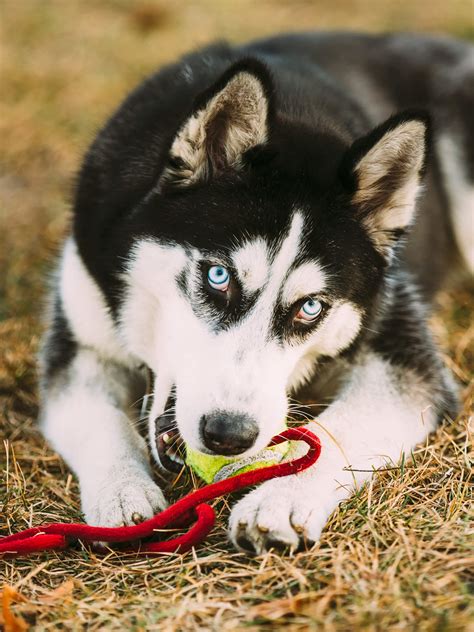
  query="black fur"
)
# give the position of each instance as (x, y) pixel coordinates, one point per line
(320, 124)
(59, 346)
(362, 145)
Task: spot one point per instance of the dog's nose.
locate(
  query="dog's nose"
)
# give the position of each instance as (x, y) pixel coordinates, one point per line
(228, 434)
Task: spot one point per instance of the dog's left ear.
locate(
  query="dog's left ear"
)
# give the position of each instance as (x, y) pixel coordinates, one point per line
(227, 120)
(384, 171)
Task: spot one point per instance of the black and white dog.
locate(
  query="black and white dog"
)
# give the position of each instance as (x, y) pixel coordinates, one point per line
(239, 230)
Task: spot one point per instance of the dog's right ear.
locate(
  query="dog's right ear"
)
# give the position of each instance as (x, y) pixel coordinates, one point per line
(383, 172)
(230, 118)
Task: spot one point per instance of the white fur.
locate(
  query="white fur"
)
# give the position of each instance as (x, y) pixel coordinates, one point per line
(336, 332)
(379, 414)
(376, 419)
(237, 369)
(251, 262)
(86, 420)
(461, 196)
(338, 329)
(240, 369)
(86, 414)
(152, 291)
(404, 141)
(407, 142)
(307, 279)
(288, 251)
(85, 308)
(245, 104)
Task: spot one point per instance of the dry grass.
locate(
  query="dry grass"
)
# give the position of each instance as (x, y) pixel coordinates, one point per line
(397, 555)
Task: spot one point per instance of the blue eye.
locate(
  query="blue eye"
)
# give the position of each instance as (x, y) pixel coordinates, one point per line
(310, 310)
(218, 278)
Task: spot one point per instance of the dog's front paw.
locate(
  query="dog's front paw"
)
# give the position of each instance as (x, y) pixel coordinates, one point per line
(126, 496)
(279, 515)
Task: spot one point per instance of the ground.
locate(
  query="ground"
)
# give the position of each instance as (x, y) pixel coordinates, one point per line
(397, 555)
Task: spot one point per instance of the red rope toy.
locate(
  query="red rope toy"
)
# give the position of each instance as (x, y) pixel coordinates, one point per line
(193, 506)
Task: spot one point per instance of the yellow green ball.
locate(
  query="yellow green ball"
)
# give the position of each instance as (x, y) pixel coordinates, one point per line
(214, 468)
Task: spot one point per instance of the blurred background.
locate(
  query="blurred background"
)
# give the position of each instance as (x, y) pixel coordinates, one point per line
(64, 67)
(66, 64)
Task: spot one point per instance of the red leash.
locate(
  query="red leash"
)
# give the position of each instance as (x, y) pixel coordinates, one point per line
(193, 506)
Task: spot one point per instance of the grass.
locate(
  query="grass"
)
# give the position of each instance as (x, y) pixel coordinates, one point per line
(395, 556)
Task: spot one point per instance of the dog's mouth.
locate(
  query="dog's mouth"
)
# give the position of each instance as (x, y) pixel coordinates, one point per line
(169, 443)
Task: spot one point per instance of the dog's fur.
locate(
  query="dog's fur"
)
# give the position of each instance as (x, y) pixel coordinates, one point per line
(296, 163)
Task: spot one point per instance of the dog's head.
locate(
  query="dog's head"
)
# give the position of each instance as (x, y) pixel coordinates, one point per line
(261, 250)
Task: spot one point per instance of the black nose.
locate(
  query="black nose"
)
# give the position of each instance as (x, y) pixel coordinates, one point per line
(227, 433)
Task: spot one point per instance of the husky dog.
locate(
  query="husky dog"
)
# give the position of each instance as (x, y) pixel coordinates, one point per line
(245, 228)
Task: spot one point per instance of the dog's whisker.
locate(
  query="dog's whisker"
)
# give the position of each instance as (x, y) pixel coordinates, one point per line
(314, 405)
(138, 401)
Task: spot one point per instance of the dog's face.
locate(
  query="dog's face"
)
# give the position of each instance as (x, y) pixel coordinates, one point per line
(262, 250)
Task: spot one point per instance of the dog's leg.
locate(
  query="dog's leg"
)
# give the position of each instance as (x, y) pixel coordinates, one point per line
(88, 389)
(85, 418)
(382, 412)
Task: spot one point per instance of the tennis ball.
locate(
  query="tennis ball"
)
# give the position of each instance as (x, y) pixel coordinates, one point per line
(217, 468)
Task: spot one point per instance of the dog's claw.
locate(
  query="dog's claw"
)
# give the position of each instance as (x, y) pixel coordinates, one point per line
(125, 498)
(244, 543)
(277, 515)
(277, 545)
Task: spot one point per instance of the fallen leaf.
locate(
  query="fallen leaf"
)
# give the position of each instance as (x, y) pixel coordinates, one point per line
(305, 603)
(12, 622)
(61, 593)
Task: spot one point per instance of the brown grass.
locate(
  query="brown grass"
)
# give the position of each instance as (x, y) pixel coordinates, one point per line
(397, 555)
